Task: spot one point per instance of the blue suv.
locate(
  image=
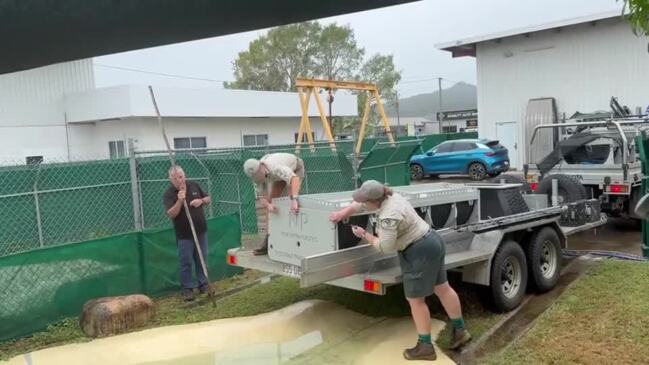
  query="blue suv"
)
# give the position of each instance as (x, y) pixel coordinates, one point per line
(474, 157)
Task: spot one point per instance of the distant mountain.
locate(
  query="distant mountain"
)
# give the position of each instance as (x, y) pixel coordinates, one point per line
(458, 97)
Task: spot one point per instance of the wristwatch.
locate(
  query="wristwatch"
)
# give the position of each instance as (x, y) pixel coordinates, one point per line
(293, 197)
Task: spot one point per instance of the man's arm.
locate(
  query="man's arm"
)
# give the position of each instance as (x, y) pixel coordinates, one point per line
(346, 212)
(205, 198)
(294, 189)
(175, 209)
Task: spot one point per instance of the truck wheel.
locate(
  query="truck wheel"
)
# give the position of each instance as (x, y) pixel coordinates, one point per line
(569, 189)
(512, 179)
(544, 259)
(477, 171)
(508, 277)
(416, 172)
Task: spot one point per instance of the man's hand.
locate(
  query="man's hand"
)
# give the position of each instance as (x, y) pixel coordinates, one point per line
(181, 194)
(358, 231)
(271, 208)
(295, 206)
(196, 203)
(336, 217)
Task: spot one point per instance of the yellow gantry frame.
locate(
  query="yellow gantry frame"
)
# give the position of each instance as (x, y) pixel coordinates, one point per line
(307, 87)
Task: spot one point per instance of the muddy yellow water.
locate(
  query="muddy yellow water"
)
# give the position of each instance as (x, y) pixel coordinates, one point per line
(310, 332)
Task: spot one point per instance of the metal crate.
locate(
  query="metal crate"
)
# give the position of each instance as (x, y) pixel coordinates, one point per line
(293, 237)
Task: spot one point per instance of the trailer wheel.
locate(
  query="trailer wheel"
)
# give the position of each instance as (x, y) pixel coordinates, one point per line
(508, 277)
(569, 189)
(416, 172)
(544, 259)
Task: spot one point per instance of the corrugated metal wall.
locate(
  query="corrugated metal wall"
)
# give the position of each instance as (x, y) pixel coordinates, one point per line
(580, 66)
(35, 97)
(32, 118)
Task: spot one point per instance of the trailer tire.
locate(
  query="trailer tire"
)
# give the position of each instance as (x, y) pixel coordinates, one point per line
(570, 188)
(544, 259)
(513, 179)
(508, 277)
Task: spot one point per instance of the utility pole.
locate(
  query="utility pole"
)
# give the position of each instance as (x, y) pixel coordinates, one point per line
(397, 105)
(330, 100)
(439, 109)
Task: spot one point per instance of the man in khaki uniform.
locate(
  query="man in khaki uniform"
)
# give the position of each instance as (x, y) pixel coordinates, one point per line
(421, 253)
(279, 171)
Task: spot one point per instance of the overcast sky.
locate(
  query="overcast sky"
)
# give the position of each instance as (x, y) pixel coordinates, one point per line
(409, 32)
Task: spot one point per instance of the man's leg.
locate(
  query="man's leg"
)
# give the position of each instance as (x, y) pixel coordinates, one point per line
(424, 349)
(276, 189)
(451, 303)
(185, 252)
(200, 275)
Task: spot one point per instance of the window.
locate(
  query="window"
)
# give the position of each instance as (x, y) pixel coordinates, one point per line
(463, 146)
(444, 147)
(116, 149)
(304, 137)
(449, 129)
(190, 142)
(34, 160)
(255, 140)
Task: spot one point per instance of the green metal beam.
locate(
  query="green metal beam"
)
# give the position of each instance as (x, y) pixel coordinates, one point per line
(36, 33)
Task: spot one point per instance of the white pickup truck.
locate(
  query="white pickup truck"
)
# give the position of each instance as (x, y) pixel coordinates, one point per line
(592, 160)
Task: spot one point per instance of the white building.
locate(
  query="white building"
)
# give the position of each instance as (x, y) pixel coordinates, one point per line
(56, 113)
(581, 63)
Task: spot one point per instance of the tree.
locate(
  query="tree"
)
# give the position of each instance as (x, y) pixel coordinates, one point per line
(338, 57)
(379, 70)
(308, 50)
(638, 15)
(273, 61)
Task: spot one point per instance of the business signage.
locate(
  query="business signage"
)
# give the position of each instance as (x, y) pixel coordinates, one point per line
(458, 115)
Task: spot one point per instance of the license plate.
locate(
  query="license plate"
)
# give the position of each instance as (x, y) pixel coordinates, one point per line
(292, 270)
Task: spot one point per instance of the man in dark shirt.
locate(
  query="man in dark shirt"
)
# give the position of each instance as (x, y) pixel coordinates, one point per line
(180, 190)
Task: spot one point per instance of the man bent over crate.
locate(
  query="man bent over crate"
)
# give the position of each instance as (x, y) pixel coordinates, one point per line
(280, 172)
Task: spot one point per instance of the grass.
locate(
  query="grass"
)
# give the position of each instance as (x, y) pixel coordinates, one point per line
(602, 319)
(261, 299)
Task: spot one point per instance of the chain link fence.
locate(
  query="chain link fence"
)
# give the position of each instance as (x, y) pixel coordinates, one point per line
(55, 203)
(47, 204)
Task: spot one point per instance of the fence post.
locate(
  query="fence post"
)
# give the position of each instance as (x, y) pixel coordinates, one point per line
(209, 182)
(39, 221)
(135, 194)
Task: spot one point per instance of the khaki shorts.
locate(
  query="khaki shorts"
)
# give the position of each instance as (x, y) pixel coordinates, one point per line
(422, 265)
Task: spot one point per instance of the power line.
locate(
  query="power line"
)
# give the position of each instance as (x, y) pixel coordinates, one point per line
(428, 79)
(158, 73)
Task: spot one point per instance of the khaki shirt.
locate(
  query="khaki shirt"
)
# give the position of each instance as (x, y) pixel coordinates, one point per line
(398, 224)
(281, 167)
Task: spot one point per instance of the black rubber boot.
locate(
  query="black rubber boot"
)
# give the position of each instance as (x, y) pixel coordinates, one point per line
(263, 250)
(422, 351)
(204, 289)
(188, 295)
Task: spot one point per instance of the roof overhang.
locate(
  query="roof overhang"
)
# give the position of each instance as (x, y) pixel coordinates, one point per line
(467, 46)
(36, 33)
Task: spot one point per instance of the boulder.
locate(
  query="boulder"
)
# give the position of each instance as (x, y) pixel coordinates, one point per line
(112, 315)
